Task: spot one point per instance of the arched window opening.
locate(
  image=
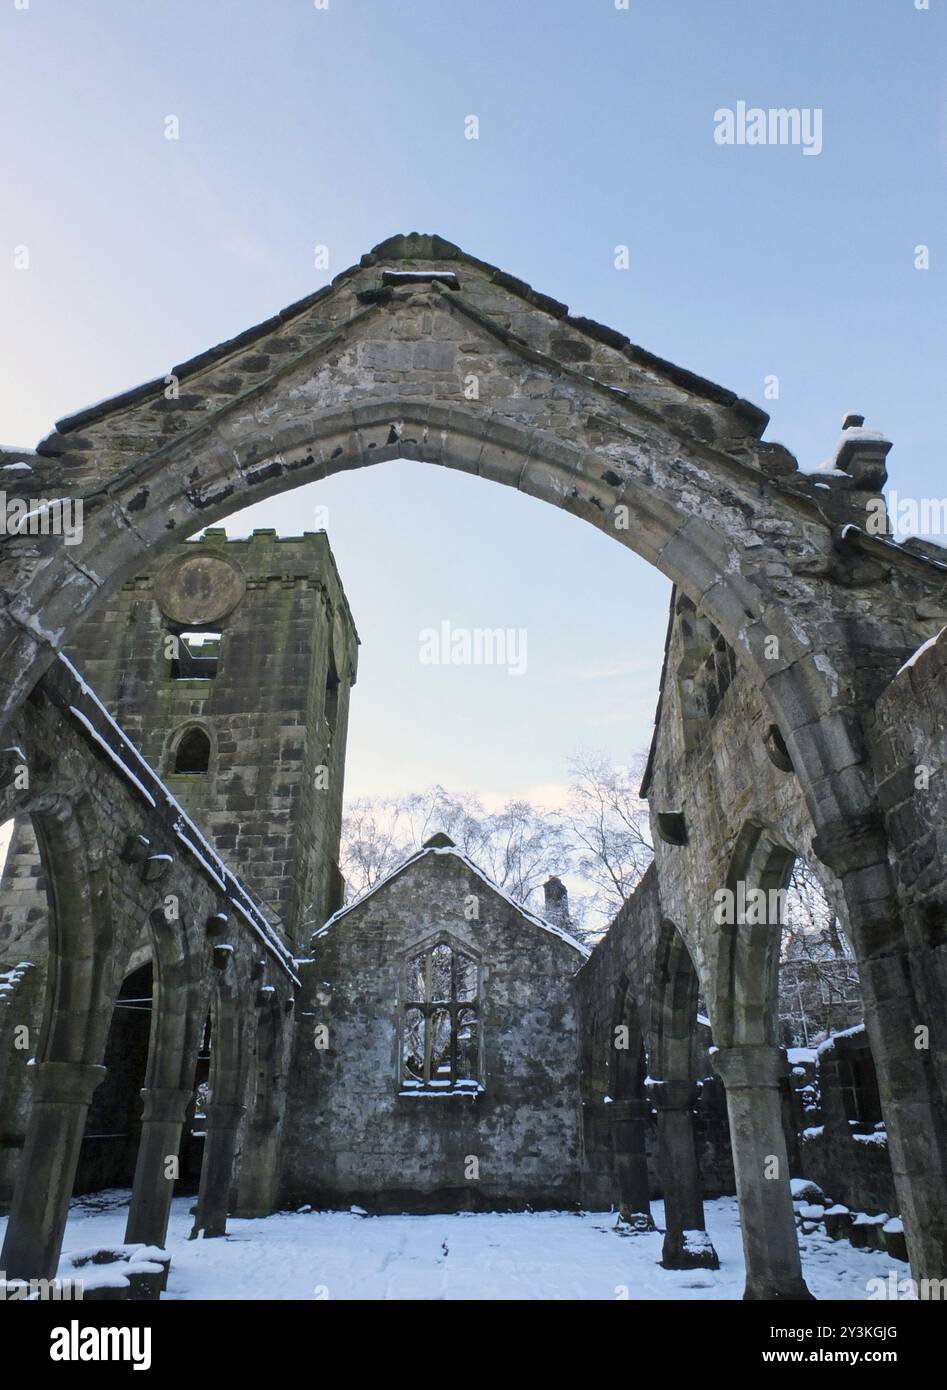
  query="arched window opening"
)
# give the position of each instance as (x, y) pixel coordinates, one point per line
(193, 752)
(331, 707)
(626, 1060)
(819, 992)
(705, 671)
(441, 1026)
(113, 1124)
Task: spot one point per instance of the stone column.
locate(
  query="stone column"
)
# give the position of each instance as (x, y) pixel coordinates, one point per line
(217, 1170)
(902, 987)
(627, 1121)
(686, 1242)
(61, 1095)
(752, 1077)
(153, 1189)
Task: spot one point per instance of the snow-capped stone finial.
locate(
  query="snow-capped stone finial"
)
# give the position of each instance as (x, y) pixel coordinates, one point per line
(861, 454)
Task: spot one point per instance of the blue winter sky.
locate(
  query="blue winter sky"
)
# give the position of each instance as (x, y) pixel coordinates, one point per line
(302, 126)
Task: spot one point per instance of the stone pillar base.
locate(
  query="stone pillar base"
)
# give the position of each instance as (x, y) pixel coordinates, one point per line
(634, 1222)
(689, 1250)
(686, 1243)
(791, 1291)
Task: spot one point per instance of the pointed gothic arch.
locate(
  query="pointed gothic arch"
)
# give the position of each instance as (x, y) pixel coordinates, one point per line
(191, 750)
(422, 351)
(379, 365)
(675, 991)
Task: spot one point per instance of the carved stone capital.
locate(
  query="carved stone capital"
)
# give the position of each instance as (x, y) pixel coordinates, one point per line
(673, 1095)
(64, 1083)
(751, 1067)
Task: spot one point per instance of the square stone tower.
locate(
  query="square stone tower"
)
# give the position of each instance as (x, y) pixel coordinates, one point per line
(230, 666)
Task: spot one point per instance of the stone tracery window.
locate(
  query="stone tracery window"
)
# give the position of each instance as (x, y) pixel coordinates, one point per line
(705, 671)
(440, 1049)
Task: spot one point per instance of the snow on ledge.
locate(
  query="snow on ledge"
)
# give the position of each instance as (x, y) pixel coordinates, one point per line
(829, 1043)
(107, 748)
(924, 647)
(183, 827)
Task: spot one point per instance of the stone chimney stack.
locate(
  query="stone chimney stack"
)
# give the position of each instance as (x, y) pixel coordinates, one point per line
(557, 903)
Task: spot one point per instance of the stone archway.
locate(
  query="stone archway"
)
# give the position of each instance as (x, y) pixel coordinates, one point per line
(384, 364)
(673, 1092)
(744, 1017)
(422, 351)
(425, 352)
(83, 978)
(628, 1110)
(168, 1085)
(746, 965)
(110, 1142)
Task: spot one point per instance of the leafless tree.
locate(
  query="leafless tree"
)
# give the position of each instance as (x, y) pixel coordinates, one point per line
(819, 991)
(607, 823)
(600, 840)
(375, 840)
(517, 847)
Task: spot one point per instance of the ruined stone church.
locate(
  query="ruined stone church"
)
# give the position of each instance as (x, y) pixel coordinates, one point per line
(179, 975)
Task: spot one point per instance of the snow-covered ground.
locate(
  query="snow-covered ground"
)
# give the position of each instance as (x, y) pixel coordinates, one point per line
(548, 1255)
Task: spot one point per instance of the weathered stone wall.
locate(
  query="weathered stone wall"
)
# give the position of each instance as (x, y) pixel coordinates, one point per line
(716, 764)
(352, 1135)
(843, 1145)
(909, 751)
(712, 764)
(22, 989)
(623, 964)
(622, 961)
(712, 1136)
(24, 933)
(23, 910)
(262, 803)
